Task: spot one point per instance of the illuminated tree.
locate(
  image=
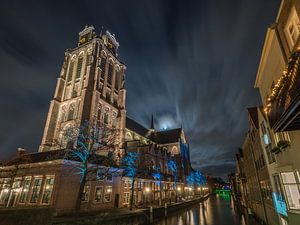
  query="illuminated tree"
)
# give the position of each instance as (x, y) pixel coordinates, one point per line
(158, 177)
(85, 144)
(172, 166)
(130, 166)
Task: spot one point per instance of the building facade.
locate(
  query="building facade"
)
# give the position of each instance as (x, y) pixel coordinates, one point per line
(91, 87)
(278, 120)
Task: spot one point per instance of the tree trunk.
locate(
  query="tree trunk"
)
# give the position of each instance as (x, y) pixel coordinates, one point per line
(132, 192)
(80, 191)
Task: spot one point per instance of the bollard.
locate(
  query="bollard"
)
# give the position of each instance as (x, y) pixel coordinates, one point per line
(151, 214)
(166, 210)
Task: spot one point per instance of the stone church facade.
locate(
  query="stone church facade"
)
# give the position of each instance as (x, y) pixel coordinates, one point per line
(91, 86)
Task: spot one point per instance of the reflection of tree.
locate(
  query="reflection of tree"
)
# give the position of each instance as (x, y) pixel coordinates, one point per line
(172, 166)
(158, 177)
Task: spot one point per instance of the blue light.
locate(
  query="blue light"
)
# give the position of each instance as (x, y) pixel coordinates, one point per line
(280, 205)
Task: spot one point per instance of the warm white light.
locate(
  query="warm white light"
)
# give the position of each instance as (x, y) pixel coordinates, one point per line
(178, 189)
(199, 188)
(147, 189)
(190, 188)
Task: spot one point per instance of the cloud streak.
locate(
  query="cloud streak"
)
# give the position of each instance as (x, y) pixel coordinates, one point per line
(190, 63)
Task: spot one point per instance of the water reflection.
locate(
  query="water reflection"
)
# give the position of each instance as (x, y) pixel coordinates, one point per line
(217, 210)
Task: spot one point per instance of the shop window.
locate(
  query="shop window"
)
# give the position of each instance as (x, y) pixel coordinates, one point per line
(48, 189)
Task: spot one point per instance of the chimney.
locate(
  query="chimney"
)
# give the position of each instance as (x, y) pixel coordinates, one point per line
(21, 152)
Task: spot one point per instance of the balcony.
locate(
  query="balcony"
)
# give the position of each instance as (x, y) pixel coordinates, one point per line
(283, 106)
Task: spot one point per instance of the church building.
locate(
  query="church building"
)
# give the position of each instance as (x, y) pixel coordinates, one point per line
(91, 87)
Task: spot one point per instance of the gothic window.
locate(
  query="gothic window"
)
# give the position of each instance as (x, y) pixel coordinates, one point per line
(102, 67)
(70, 74)
(79, 67)
(36, 189)
(106, 116)
(98, 194)
(48, 189)
(63, 113)
(110, 74)
(99, 113)
(75, 90)
(114, 119)
(117, 81)
(71, 111)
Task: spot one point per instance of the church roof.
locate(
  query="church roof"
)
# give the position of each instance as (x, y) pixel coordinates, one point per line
(52, 155)
(168, 136)
(136, 127)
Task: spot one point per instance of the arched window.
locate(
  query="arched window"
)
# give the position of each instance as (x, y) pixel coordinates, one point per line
(110, 74)
(106, 116)
(102, 67)
(70, 73)
(71, 111)
(79, 67)
(63, 113)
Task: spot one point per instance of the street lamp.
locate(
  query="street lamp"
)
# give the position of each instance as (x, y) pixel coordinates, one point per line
(147, 190)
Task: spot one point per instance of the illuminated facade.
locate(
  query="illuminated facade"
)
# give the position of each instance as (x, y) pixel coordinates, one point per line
(278, 83)
(91, 87)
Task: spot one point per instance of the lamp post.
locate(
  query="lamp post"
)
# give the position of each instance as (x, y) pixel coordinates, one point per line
(147, 190)
(178, 191)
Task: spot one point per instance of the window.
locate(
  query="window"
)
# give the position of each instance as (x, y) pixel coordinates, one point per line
(126, 198)
(106, 115)
(107, 193)
(291, 185)
(4, 191)
(110, 74)
(102, 67)
(98, 194)
(86, 193)
(48, 189)
(25, 190)
(79, 67)
(71, 111)
(70, 74)
(117, 80)
(37, 183)
(281, 136)
(292, 28)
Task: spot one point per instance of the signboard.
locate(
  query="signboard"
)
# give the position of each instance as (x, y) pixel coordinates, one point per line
(280, 205)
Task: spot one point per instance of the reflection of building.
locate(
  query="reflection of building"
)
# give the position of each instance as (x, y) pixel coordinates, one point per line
(278, 122)
(91, 87)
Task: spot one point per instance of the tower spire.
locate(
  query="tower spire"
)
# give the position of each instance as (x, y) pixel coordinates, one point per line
(152, 123)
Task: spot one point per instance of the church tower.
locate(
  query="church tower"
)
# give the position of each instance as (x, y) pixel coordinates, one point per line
(90, 85)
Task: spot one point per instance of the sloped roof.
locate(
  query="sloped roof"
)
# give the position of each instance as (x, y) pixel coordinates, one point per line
(136, 127)
(168, 136)
(56, 155)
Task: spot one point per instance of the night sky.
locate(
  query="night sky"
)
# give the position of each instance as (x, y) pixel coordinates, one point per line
(190, 63)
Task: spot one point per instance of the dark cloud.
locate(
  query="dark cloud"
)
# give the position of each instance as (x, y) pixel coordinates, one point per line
(190, 63)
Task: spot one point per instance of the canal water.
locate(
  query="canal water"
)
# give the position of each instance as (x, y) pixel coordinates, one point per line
(216, 210)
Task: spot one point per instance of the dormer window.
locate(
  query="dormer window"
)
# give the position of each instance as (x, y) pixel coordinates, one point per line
(292, 28)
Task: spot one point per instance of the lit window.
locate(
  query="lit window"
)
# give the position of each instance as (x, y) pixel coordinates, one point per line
(4, 191)
(126, 198)
(25, 190)
(98, 194)
(107, 193)
(291, 184)
(37, 183)
(48, 189)
(86, 193)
